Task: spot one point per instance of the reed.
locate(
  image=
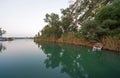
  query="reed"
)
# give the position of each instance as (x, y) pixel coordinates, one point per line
(111, 43)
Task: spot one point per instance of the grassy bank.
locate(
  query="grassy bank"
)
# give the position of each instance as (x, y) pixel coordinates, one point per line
(109, 43)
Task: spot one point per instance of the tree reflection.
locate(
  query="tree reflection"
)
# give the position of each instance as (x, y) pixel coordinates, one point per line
(81, 62)
(2, 48)
(67, 57)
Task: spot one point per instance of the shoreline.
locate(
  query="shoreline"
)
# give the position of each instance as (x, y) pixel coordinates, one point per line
(76, 41)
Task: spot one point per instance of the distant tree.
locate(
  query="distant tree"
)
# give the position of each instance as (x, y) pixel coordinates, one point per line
(2, 31)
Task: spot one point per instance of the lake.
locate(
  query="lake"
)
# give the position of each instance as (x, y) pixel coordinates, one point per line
(27, 59)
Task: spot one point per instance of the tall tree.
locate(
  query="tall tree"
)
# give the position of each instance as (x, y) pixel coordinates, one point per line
(106, 23)
(66, 20)
(53, 26)
(83, 10)
(109, 18)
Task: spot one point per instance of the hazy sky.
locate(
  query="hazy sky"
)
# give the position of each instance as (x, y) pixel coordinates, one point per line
(25, 17)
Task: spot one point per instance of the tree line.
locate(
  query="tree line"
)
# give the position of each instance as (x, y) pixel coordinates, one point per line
(91, 19)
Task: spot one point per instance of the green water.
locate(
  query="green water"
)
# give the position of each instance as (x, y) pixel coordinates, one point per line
(26, 59)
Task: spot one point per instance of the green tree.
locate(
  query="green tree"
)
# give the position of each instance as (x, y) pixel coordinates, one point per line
(92, 30)
(83, 10)
(79, 12)
(53, 26)
(73, 17)
(67, 21)
(106, 23)
(109, 18)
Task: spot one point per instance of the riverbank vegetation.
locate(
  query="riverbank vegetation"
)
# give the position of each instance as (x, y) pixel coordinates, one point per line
(85, 23)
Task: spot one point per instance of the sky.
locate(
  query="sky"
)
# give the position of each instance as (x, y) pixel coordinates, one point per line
(24, 18)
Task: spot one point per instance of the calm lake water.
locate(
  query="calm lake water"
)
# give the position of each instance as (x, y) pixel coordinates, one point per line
(27, 59)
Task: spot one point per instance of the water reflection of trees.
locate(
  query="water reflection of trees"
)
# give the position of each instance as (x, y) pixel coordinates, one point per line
(68, 58)
(81, 62)
(2, 47)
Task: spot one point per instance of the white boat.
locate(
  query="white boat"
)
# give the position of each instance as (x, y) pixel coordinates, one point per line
(97, 46)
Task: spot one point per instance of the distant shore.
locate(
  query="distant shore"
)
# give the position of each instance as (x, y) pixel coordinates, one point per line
(6, 39)
(13, 38)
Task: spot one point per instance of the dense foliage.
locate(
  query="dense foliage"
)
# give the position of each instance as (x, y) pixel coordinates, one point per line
(106, 23)
(92, 19)
(53, 26)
